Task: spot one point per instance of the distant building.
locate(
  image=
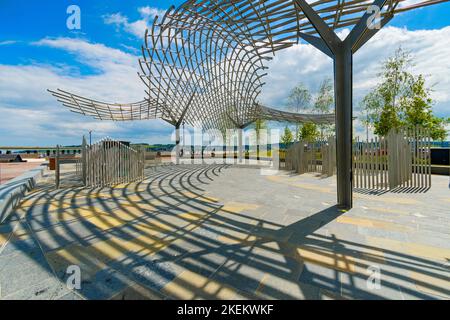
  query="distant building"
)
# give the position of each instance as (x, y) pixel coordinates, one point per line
(12, 157)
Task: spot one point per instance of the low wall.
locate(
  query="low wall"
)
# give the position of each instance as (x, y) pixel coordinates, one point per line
(441, 170)
(12, 192)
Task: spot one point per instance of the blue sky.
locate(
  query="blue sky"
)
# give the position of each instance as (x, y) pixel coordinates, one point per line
(38, 51)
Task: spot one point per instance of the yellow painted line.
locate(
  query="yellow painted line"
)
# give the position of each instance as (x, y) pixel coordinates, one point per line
(154, 227)
(103, 219)
(400, 200)
(430, 284)
(116, 247)
(373, 256)
(303, 185)
(199, 197)
(134, 198)
(121, 186)
(386, 199)
(236, 238)
(372, 223)
(238, 207)
(138, 292)
(117, 217)
(104, 196)
(156, 203)
(327, 259)
(388, 210)
(113, 248)
(75, 254)
(140, 206)
(262, 283)
(189, 285)
(20, 233)
(3, 238)
(54, 203)
(105, 222)
(33, 202)
(95, 256)
(314, 187)
(189, 194)
(210, 199)
(127, 214)
(83, 212)
(413, 249)
(192, 215)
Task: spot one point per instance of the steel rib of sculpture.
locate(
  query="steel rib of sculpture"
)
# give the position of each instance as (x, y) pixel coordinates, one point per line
(203, 63)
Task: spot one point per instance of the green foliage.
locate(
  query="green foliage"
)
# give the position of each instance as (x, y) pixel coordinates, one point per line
(260, 124)
(299, 99)
(324, 103)
(287, 136)
(325, 99)
(401, 99)
(309, 132)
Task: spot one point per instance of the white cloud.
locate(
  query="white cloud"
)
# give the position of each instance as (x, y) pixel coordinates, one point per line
(138, 27)
(34, 116)
(31, 115)
(7, 42)
(151, 12)
(303, 63)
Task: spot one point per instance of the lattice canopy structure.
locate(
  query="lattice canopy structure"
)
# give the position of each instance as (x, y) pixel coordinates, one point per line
(204, 62)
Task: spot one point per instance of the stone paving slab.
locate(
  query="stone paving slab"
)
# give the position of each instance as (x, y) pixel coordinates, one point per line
(224, 232)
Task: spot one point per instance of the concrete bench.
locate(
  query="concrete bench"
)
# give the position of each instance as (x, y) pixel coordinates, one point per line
(12, 192)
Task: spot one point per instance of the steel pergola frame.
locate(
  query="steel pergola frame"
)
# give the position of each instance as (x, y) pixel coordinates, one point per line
(203, 64)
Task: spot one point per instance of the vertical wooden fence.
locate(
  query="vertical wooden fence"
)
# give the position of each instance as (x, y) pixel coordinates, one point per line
(109, 162)
(307, 157)
(401, 159)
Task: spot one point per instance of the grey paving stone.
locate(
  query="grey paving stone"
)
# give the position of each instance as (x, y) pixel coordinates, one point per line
(291, 214)
(104, 285)
(148, 272)
(71, 296)
(48, 289)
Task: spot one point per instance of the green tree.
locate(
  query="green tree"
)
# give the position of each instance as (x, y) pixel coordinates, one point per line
(309, 132)
(401, 99)
(324, 99)
(323, 104)
(299, 99)
(418, 110)
(260, 124)
(287, 136)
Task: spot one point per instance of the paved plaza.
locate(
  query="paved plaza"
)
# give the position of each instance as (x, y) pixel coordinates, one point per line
(227, 232)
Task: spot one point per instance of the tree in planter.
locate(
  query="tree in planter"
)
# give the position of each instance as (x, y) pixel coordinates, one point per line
(401, 99)
(417, 106)
(260, 125)
(287, 137)
(309, 132)
(299, 99)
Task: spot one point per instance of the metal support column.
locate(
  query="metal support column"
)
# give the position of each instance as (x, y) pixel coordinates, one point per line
(342, 53)
(344, 127)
